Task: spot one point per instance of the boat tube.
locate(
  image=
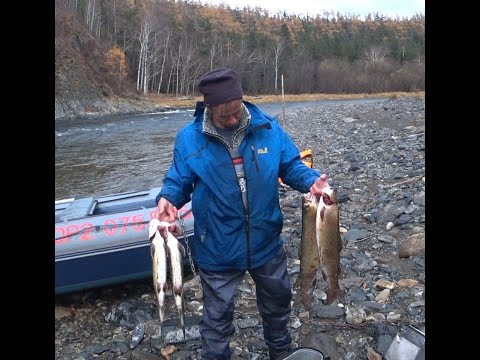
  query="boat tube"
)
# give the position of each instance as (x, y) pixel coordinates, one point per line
(104, 240)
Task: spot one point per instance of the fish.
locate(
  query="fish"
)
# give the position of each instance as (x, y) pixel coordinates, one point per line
(307, 252)
(329, 242)
(175, 253)
(158, 252)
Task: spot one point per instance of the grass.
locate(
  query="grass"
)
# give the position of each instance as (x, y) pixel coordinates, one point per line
(181, 102)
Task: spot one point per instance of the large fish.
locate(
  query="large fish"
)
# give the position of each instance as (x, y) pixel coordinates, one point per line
(307, 252)
(176, 251)
(158, 250)
(329, 242)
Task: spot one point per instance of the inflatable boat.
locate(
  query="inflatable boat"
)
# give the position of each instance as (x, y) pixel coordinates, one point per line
(104, 240)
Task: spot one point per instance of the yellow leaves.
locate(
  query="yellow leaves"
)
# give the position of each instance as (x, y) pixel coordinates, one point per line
(221, 19)
(116, 59)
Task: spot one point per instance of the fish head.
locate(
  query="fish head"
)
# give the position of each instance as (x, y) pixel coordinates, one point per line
(163, 230)
(309, 200)
(329, 196)
(309, 206)
(152, 228)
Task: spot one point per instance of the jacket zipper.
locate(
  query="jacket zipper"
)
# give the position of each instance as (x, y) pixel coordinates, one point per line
(249, 258)
(247, 215)
(254, 157)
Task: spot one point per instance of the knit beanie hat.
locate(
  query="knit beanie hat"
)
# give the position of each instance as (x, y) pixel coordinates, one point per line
(220, 86)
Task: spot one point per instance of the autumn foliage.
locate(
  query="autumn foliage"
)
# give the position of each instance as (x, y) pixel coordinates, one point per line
(116, 59)
(163, 46)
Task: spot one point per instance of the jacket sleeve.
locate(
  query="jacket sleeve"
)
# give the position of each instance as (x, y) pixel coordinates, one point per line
(292, 170)
(178, 182)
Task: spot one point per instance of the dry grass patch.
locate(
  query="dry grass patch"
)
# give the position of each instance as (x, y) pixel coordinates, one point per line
(184, 101)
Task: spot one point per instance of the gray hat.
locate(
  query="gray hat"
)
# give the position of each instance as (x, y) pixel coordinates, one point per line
(220, 86)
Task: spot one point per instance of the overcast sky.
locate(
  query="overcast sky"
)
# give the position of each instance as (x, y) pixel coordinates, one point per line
(389, 8)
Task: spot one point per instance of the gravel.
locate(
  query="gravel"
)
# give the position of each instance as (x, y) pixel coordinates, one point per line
(374, 154)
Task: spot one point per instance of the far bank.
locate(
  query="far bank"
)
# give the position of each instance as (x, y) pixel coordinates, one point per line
(157, 103)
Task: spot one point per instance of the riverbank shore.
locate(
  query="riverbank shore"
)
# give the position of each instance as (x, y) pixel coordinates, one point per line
(374, 154)
(158, 103)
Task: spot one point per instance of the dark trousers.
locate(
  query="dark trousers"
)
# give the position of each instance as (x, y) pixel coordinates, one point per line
(273, 301)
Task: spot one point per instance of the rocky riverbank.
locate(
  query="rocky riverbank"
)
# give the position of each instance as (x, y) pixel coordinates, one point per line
(375, 156)
(80, 107)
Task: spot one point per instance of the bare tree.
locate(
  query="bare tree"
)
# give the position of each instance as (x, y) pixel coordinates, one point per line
(93, 16)
(146, 31)
(264, 60)
(215, 48)
(69, 4)
(166, 44)
(190, 53)
(176, 66)
(277, 51)
(114, 20)
(376, 54)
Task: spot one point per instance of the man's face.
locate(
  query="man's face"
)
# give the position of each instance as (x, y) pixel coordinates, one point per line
(227, 115)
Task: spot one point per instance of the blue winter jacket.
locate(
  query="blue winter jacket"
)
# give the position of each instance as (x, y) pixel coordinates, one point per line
(225, 237)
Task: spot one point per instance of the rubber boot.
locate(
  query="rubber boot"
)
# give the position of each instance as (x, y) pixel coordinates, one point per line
(279, 354)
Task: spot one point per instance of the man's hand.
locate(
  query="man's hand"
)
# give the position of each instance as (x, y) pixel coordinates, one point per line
(318, 185)
(167, 212)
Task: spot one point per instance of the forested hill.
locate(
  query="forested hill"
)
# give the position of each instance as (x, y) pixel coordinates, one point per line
(84, 78)
(109, 53)
(79, 82)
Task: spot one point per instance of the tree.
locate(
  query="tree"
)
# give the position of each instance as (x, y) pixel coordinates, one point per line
(277, 51)
(93, 17)
(144, 36)
(167, 44)
(376, 54)
(116, 59)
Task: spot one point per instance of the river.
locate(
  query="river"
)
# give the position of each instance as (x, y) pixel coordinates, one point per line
(118, 153)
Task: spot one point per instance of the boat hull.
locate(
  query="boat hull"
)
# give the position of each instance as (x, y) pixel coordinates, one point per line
(104, 241)
(103, 269)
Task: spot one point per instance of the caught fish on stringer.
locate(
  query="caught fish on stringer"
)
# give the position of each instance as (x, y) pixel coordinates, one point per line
(158, 252)
(307, 252)
(167, 250)
(319, 248)
(329, 242)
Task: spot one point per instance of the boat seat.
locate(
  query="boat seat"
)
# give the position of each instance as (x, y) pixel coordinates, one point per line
(79, 208)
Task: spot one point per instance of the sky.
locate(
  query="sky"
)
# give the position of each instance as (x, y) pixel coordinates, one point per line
(389, 8)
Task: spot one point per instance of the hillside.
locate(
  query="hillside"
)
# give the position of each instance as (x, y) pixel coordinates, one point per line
(97, 67)
(84, 84)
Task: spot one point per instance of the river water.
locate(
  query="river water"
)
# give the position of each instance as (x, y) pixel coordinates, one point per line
(119, 153)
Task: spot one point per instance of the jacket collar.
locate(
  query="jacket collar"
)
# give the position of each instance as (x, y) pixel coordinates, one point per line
(256, 117)
(209, 127)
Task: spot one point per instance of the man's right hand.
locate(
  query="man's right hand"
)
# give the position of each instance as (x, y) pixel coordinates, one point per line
(318, 185)
(165, 211)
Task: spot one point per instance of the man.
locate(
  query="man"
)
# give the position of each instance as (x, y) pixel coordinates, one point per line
(229, 160)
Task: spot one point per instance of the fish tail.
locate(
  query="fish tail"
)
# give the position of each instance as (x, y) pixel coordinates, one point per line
(162, 288)
(182, 320)
(181, 310)
(304, 299)
(333, 294)
(324, 276)
(161, 312)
